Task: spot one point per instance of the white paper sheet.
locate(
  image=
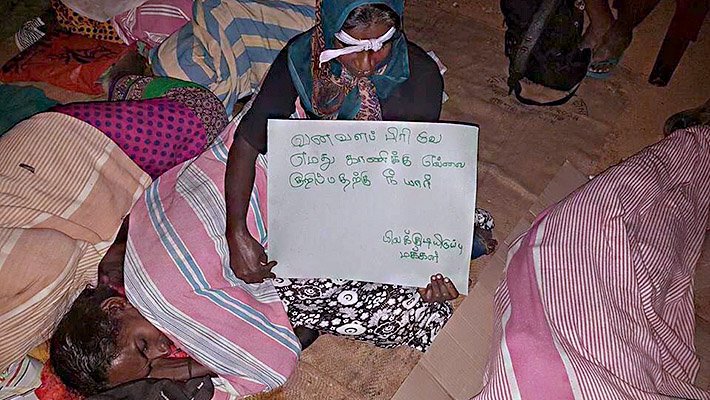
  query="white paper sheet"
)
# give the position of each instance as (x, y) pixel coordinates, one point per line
(388, 202)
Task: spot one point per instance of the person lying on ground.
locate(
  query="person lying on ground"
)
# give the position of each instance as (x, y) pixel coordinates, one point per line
(597, 297)
(104, 331)
(178, 277)
(68, 177)
(229, 45)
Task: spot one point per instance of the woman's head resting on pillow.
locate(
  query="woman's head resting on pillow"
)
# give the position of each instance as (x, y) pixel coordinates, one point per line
(103, 341)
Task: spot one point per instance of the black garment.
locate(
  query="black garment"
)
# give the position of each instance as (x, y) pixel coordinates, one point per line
(160, 389)
(417, 99)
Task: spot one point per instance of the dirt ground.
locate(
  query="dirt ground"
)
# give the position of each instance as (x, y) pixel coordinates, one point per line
(520, 149)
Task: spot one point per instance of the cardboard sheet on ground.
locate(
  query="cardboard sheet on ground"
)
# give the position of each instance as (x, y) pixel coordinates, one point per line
(454, 365)
(378, 201)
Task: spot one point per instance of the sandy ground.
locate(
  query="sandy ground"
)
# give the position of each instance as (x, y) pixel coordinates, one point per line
(520, 149)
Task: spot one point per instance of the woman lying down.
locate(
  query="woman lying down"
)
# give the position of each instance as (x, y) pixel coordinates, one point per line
(182, 291)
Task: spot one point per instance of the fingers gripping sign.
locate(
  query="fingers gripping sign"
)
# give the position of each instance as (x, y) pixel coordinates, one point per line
(440, 289)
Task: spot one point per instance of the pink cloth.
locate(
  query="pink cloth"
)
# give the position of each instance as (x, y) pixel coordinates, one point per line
(156, 134)
(597, 299)
(177, 275)
(153, 21)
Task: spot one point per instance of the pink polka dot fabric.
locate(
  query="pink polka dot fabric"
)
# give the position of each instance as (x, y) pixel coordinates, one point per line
(156, 134)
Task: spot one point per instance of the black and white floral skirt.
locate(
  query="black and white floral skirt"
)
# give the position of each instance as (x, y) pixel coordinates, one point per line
(384, 315)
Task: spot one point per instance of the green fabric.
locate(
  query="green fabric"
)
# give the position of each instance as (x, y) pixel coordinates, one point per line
(20, 102)
(333, 15)
(160, 85)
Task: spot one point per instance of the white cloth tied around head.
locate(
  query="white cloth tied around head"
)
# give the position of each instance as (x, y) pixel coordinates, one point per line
(355, 45)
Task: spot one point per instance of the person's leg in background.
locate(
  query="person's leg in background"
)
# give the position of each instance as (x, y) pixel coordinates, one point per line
(600, 20)
(608, 50)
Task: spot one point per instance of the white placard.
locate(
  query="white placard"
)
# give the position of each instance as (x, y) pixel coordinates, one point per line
(377, 201)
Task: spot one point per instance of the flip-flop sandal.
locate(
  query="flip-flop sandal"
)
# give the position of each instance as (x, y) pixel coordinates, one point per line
(606, 64)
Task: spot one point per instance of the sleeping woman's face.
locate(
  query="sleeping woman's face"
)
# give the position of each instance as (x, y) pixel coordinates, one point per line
(139, 344)
(365, 63)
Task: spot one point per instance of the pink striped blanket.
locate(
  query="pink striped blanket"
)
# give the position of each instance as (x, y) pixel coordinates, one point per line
(153, 21)
(597, 298)
(239, 330)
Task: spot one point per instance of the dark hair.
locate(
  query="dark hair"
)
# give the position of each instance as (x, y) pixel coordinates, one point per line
(85, 343)
(370, 14)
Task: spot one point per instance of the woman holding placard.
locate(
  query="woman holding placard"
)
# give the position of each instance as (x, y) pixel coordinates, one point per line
(356, 63)
(179, 286)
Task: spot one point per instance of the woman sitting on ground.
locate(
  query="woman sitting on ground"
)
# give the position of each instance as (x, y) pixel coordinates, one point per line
(325, 73)
(182, 262)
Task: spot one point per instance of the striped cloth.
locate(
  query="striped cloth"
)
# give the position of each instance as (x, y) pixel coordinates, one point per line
(29, 34)
(21, 379)
(177, 275)
(55, 172)
(230, 45)
(153, 21)
(597, 299)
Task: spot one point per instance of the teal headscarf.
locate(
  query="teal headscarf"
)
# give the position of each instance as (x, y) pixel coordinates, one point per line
(333, 14)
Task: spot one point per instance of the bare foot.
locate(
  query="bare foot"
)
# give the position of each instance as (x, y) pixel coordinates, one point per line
(440, 289)
(595, 32)
(607, 55)
(132, 63)
(490, 241)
